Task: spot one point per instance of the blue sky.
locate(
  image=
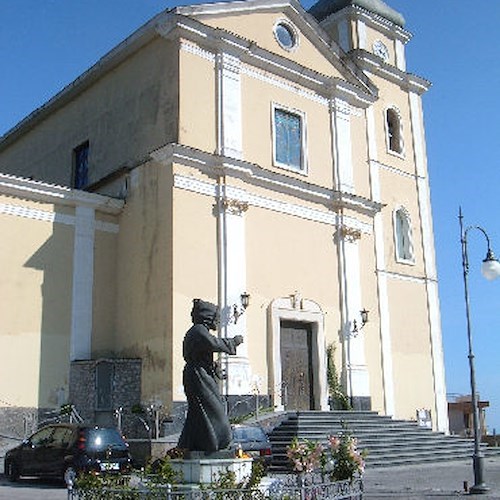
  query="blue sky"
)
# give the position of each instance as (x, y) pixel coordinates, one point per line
(45, 44)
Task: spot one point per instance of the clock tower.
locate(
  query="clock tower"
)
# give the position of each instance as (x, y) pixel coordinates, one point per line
(369, 25)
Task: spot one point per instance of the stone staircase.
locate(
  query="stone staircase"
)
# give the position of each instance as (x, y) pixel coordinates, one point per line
(388, 442)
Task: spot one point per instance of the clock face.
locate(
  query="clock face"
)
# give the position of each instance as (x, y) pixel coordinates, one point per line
(380, 50)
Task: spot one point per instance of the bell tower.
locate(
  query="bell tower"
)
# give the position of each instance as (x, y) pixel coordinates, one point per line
(365, 25)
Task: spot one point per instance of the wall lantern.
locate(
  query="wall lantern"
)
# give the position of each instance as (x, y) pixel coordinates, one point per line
(239, 310)
(364, 319)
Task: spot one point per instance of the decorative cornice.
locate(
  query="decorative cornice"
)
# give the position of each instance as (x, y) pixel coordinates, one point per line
(244, 198)
(52, 193)
(374, 64)
(255, 175)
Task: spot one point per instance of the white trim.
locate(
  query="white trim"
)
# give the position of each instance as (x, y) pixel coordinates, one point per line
(394, 170)
(361, 28)
(230, 134)
(293, 308)
(83, 283)
(52, 193)
(400, 55)
(342, 148)
(210, 189)
(46, 216)
(265, 76)
(424, 204)
(303, 134)
(383, 294)
(404, 277)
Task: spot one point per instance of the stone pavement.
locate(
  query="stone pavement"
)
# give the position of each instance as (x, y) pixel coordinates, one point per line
(437, 480)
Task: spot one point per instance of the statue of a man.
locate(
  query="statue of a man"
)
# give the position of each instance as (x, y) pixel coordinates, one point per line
(207, 426)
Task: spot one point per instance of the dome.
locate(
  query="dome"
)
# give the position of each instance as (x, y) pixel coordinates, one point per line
(324, 8)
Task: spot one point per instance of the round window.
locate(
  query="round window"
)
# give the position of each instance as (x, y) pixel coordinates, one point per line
(285, 36)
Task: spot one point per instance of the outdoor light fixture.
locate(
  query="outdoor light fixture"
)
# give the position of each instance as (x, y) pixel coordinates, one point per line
(490, 270)
(239, 310)
(364, 319)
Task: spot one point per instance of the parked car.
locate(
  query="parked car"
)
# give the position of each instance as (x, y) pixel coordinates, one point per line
(59, 449)
(253, 440)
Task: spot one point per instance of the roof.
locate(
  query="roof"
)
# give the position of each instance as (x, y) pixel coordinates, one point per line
(323, 8)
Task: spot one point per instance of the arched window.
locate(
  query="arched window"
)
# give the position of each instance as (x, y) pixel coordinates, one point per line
(402, 236)
(394, 132)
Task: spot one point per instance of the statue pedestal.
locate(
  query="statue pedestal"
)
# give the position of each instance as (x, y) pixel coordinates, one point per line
(207, 470)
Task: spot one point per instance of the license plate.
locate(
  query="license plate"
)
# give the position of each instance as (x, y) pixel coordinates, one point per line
(106, 466)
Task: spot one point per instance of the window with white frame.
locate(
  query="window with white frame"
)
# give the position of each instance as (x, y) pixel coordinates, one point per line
(394, 131)
(289, 139)
(403, 236)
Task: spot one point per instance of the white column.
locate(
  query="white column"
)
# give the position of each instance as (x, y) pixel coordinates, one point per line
(383, 298)
(348, 254)
(229, 106)
(83, 281)
(424, 204)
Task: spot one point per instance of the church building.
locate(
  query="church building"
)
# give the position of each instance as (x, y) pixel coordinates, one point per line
(265, 158)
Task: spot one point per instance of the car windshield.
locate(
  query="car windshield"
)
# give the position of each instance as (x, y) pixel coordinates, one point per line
(248, 434)
(100, 439)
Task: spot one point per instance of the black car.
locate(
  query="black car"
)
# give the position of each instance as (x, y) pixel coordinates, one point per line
(253, 441)
(65, 449)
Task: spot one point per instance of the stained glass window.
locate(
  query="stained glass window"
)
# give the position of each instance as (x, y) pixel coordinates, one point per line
(288, 139)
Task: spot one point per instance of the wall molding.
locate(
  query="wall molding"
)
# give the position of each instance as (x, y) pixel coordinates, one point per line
(52, 217)
(242, 196)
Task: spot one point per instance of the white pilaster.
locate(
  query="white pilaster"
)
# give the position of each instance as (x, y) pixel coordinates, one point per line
(361, 34)
(341, 130)
(400, 55)
(233, 284)
(83, 281)
(358, 382)
(229, 106)
(383, 304)
(424, 203)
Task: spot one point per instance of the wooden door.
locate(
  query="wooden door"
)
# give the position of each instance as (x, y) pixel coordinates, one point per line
(296, 367)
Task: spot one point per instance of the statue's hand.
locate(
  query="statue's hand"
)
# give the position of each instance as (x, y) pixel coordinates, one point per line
(238, 339)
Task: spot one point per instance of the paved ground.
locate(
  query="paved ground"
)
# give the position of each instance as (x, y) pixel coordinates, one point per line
(443, 481)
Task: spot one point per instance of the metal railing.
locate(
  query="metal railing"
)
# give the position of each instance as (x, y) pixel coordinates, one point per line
(286, 487)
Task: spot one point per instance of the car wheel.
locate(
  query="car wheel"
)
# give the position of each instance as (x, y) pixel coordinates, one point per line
(69, 475)
(12, 471)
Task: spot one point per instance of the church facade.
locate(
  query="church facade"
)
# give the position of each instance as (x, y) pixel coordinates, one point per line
(264, 158)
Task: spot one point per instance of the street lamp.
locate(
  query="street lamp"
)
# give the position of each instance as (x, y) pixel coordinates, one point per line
(490, 270)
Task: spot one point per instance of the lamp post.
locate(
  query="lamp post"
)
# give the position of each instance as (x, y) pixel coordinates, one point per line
(490, 270)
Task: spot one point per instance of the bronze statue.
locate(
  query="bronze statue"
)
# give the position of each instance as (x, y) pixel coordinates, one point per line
(207, 425)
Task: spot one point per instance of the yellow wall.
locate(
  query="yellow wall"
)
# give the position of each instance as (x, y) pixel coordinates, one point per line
(36, 290)
(144, 300)
(413, 379)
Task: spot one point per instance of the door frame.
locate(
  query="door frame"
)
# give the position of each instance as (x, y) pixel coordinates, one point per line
(295, 308)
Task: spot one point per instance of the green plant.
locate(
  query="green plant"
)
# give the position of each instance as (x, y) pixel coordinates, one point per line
(346, 461)
(337, 393)
(340, 460)
(160, 471)
(306, 456)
